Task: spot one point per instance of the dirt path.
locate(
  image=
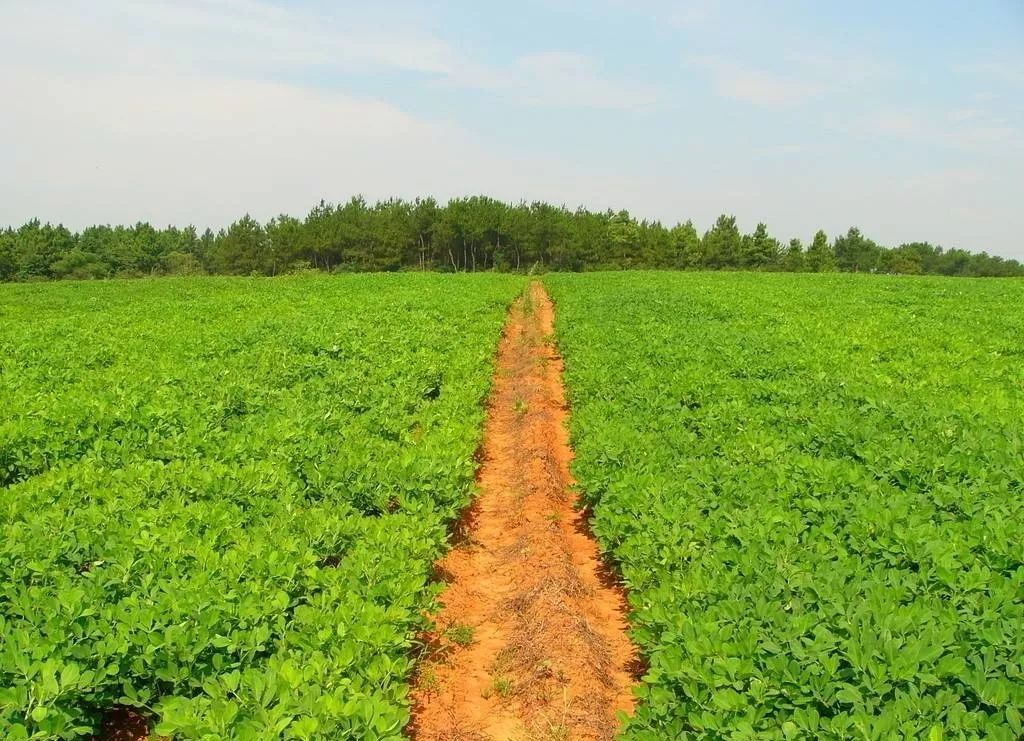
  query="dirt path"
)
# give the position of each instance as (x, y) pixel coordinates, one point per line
(531, 640)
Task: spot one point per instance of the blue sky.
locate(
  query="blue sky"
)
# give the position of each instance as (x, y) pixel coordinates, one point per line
(906, 119)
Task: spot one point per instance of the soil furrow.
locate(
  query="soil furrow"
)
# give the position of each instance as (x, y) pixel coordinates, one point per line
(531, 639)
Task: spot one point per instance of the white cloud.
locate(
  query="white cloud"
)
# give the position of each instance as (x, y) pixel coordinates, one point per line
(834, 70)
(798, 76)
(1004, 70)
(751, 85)
(183, 149)
(782, 150)
(894, 123)
(222, 36)
(193, 149)
(685, 13)
(958, 115)
(555, 78)
(120, 111)
(677, 14)
(959, 127)
(967, 207)
(251, 39)
(177, 112)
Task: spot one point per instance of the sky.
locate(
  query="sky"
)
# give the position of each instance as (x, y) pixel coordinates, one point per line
(905, 118)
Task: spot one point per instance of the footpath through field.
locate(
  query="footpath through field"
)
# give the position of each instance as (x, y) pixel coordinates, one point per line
(531, 641)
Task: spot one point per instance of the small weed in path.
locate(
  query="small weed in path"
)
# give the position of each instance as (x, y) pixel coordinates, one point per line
(461, 635)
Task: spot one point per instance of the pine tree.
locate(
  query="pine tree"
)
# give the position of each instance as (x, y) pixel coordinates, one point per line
(820, 258)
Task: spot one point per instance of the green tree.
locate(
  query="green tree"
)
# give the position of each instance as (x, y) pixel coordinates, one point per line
(686, 246)
(622, 238)
(856, 253)
(8, 265)
(656, 246)
(425, 214)
(793, 258)
(181, 263)
(471, 233)
(760, 249)
(287, 237)
(79, 265)
(38, 246)
(820, 258)
(900, 260)
(243, 249)
(722, 244)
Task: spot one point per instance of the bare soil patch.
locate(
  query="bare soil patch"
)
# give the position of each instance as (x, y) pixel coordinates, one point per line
(122, 723)
(531, 641)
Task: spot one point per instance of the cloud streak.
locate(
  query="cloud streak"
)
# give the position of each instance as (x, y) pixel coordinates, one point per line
(558, 79)
(747, 84)
(957, 127)
(221, 37)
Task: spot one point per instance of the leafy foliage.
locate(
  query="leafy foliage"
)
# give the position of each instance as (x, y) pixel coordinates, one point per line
(466, 234)
(222, 498)
(813, 486)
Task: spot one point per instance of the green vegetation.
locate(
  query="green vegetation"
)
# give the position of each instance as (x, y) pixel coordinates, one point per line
(503, 687)
(221, 498)
(467, 234)
(461, 635)
(815, 489)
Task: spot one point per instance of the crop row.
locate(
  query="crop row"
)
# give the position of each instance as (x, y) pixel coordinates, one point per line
(221, 499)
(814, 487)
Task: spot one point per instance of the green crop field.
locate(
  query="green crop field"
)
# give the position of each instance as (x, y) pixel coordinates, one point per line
(220, 498)
(814, 486)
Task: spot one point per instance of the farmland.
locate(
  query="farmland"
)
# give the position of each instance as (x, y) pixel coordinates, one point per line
(221, 498)
(813, 486)
(224, 504)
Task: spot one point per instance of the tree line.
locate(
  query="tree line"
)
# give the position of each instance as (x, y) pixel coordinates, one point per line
(466, 234)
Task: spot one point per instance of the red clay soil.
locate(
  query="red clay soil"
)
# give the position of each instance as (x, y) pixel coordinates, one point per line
(122, 723)
(531, 640)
